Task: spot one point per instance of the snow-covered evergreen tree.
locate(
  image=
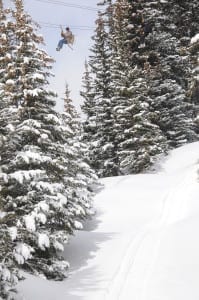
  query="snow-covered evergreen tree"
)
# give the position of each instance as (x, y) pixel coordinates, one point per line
(181, 21)
(89, 110)
(156, 50)
(8, 269)
(186, 30)
(193, 93)
(137, 140)
(7, 72)
(133, 142)
(176, 66)
(101, 146)
(87, 93)
(40, 202)
(3, 48)
(80, 175)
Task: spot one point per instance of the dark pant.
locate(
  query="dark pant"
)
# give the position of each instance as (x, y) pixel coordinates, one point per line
(61, 43)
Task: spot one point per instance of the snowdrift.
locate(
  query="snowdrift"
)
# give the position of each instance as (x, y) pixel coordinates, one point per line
(143, 242)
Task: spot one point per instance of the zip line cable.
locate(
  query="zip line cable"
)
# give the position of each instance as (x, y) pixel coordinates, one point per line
(56, 2)
(45, 26)
(53, 25)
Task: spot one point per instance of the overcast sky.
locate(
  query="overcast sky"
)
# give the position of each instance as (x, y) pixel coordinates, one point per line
(69, 65)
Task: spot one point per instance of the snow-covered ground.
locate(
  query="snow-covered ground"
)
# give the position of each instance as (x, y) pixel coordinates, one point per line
(143, 243)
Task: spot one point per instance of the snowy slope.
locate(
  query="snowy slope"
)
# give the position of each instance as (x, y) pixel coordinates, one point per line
(143, 243)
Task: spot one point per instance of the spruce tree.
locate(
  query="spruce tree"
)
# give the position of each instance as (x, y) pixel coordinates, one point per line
(137, 140)
(79, 174)
(140, 142)
(193, 92)
(176, 66)
(156, 50)
(7, 72)
(148, 107)
(133, 142)
(8, 268)
(89, 112)
(87, 93)
(40, 206)
(101, 144)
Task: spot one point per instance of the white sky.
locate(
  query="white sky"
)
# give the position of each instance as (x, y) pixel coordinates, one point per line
(69, 65)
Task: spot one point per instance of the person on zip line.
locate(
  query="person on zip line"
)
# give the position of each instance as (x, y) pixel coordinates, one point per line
(68, 38)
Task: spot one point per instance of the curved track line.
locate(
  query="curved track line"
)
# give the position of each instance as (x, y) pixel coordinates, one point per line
(137, 264)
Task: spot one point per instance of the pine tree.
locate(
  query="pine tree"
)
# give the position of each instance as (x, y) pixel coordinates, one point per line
(115, 150)
(3, 48)
(120, 73)
(7, 78)
(147, 104)
(8, 269)
(81, 177)
(186, 28)
(89, 110)
(101, 144)
(40, 206)
(138, 141)
(175, 65)
(87, 92)
(159, 56)
(193, 92)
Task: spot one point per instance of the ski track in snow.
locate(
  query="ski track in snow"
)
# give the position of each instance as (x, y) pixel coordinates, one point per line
(132, 275)
(148, 208)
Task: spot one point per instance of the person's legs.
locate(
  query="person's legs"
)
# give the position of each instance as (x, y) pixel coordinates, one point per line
(61, 43)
